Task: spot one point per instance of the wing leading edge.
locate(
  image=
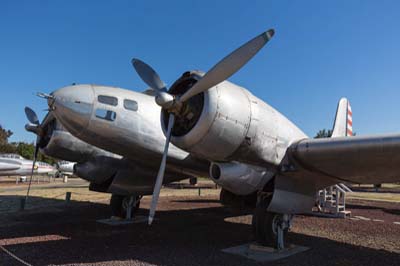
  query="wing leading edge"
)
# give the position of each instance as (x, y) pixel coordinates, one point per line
(359, 159)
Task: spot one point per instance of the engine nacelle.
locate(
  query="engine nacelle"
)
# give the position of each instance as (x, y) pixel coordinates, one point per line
(239, 178)
(121, 176)
(59, 143)
(214, 123)
(98, 169)
(228, 123)
(227, 198)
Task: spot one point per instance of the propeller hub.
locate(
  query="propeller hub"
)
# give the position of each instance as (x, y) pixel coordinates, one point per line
(34, 129)
(165, 100)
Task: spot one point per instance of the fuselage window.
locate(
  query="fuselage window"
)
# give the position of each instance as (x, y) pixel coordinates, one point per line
(130, 105)
(110, 100)
(106, 114)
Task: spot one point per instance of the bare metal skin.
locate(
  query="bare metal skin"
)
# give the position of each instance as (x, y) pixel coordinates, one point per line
(239, 128)
(214, 120)
(203, 119)
(121, 175)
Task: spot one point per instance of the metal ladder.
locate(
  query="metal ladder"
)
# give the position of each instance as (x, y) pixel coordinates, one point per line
(331, 201)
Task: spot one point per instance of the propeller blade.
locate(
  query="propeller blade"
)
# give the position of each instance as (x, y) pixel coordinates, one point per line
(160, 175)
(148, 75)
(229, 65)
(164, 99)
(34, 129)
(33, 168)
(31, 115)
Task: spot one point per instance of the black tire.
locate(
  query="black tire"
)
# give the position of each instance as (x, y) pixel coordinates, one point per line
(264, 222)
(116, 205)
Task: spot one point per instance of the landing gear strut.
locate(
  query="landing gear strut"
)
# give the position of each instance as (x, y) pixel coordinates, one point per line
(269, 228)
(124, 207)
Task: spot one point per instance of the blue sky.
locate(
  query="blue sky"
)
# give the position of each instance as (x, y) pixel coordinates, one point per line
(322, 50)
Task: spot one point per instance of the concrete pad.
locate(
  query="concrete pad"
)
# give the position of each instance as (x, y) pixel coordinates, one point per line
(363, 218)
(117, 222)
(261, 253)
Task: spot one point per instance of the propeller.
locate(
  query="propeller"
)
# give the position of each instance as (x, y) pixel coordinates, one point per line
(148, 75)
(31, 115)
(160, 175)
(33, 126)
(35, 153)
(229, 65)
(173, 104)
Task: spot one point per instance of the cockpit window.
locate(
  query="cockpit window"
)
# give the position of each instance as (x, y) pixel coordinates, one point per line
(106, 114)
(130, 105)
(110, 100)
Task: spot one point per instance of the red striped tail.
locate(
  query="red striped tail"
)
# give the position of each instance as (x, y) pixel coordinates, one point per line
(349, 120)
(343, 126)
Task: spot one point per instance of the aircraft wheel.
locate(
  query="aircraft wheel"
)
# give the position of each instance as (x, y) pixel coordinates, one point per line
(265, 224)
(119, 205)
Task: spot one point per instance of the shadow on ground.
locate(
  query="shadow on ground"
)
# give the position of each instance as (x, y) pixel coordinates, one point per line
(384, 208)
(178, 237)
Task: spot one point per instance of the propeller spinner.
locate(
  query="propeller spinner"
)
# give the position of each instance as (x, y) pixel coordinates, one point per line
(173, 104)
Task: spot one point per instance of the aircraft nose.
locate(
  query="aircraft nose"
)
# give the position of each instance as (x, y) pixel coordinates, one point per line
(73, 106)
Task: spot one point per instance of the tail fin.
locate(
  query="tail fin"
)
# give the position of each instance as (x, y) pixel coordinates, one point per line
(343, 126)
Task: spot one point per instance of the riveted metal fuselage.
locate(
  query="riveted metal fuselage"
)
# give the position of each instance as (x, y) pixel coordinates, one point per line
(240, 127)
(134, 133)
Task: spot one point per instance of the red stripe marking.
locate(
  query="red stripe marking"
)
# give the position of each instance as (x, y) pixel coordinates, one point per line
(350, 123)
(349, 132)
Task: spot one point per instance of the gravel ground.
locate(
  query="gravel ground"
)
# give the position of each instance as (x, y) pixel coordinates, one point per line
(192, 230)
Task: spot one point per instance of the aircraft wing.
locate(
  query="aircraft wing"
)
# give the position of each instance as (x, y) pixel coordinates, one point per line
(359, 159)
(313, 164)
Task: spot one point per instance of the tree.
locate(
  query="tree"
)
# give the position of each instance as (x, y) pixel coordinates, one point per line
(4, 135)
(24, 149)
(5, 147)
(324, 133)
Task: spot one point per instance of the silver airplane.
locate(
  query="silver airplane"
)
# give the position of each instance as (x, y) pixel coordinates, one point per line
(16, 165)
(220, 129)
(127, 178)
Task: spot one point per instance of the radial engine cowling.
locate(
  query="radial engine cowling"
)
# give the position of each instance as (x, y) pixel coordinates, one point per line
(212, 124)
(239, 178)
(57, 142)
